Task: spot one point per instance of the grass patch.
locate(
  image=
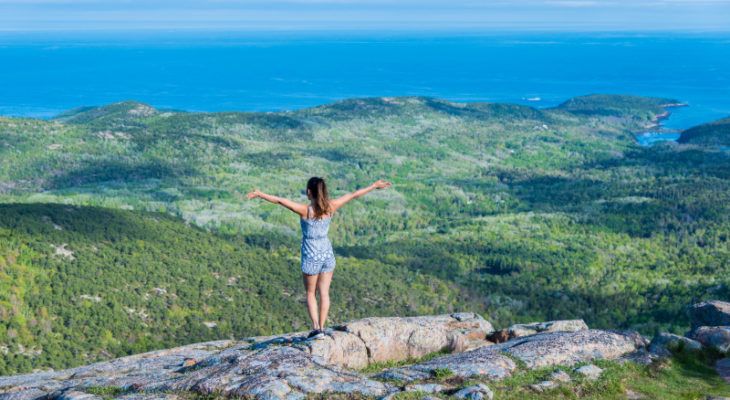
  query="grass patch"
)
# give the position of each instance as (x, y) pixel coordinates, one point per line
(106, 392)
(684, 376)
(441, 373)
(415, 395)
(519, 363)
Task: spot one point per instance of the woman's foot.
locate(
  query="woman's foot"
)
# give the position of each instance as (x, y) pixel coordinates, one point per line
(314, 333)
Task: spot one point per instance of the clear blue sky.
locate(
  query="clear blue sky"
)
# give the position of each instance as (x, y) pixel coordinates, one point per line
(622, 15)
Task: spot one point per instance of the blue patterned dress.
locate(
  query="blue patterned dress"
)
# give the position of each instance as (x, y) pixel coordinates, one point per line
(317, 254)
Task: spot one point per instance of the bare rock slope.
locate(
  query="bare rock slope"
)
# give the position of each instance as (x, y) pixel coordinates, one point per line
(291, 366)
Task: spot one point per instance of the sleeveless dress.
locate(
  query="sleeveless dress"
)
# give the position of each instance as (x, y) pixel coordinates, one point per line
(317, 254)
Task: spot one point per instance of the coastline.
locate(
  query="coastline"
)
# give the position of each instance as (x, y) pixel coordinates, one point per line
(654, 129)
(656, 122)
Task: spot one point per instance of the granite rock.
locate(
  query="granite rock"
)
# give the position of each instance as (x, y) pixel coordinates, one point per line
(475, 392)
(560, 376)
(669, 341)
(544, 385)
(520, 330)
(536, 351)
(590, 371)
(709, 313)
(713, 336)
(292, 367)
(400, 338)
(425, 388)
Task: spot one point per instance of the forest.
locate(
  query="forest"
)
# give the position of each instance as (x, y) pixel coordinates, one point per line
(124, 228)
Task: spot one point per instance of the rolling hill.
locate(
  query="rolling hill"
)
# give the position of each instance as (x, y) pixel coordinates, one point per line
(519, 214)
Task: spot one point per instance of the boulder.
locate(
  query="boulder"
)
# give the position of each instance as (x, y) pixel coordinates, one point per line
(713, 336)
(709, 313)
(475, 392)
(668, 341)
(358, 343)
(338, 348)
(400, 338)
(536, 351)
(590, 371)
(644, 356)
(560, 376)
(519, 330)
(544, 385)
(425, 388)
(569, 348)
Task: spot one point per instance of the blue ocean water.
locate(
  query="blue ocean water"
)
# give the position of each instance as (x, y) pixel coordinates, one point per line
(45, 73)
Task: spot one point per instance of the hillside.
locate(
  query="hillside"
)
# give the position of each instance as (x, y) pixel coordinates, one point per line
(81, 284)
(516, 213)
(715, 134)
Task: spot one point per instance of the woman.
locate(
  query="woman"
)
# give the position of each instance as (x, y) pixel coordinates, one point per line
(318, 259)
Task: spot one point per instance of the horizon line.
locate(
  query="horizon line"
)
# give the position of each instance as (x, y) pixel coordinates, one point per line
(385, 30)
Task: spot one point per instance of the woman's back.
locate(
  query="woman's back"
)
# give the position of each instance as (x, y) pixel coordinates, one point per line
(318, 259)
(316, 247)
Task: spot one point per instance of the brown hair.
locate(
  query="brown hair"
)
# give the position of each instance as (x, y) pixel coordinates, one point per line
(317, 187)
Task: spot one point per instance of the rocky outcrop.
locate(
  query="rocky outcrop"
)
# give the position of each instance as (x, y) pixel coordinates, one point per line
(539, 350)
(358, 343)
(664, 342)
(291, 366)
(519, 330)
(713, 336)
(709, 313)
(413, 337)
(479, 362)
(287, 366)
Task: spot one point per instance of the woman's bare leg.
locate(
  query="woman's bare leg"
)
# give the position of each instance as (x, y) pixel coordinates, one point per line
(310, 286)
(323, 286)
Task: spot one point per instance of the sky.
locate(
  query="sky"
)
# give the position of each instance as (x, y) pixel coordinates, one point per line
(567, 15)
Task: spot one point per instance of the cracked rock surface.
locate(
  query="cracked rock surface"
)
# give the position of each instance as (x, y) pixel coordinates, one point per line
(291, 366)
(536, 351)
(287, 366)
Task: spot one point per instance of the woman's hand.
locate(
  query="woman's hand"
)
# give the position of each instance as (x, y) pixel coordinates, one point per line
(254, 194)
(381, 184)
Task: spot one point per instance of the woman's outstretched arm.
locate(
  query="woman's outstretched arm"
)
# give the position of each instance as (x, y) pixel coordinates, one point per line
(341, 201)
(299, 208)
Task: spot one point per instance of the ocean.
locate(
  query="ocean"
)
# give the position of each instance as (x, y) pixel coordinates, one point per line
(45, 73)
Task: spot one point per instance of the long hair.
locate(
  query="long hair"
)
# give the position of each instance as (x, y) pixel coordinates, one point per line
(318, 188)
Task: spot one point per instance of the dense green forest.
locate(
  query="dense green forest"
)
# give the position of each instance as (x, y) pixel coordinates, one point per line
(126, 228)
(716, 133)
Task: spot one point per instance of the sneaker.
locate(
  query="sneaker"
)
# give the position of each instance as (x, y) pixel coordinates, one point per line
(314, 333)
